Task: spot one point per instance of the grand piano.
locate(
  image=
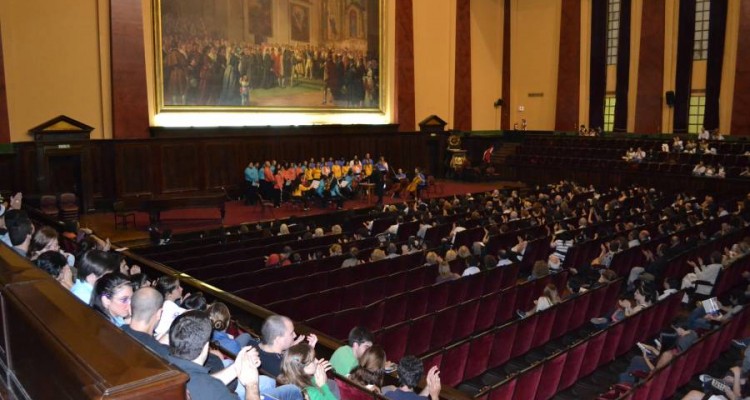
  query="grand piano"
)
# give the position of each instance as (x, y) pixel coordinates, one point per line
(154, 205)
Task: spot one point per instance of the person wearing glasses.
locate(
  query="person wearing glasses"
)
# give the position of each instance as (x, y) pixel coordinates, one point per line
(112, 295)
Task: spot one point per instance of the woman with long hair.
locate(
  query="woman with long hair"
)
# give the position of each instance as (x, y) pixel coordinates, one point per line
(549, 297)
(47, 239)
(371, 369)
(112, 294)
(299, 367)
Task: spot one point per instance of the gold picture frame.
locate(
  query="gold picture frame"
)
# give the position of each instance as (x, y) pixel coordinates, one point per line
(269, 55)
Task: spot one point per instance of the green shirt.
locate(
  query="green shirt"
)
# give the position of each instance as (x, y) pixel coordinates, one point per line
(343, 360)
(319, 393)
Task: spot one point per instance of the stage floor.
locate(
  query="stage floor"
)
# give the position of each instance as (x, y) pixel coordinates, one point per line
(237, 213)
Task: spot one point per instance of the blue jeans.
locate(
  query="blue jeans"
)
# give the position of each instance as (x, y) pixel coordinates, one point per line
(268, 388)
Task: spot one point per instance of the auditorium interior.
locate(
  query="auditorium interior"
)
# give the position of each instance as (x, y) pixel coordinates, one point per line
(543, 199)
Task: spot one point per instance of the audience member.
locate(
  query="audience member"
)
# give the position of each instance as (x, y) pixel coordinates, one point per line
(346, 358)
(371, 369)
(220, 317)
(146, 308)
(278, 336)
(188, 349)
(299, 367)
(91, 266)
(410, 371)
(170, 288)
(55, 264)
(111, 297)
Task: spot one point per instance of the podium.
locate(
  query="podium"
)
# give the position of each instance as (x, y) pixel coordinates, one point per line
(458, 158)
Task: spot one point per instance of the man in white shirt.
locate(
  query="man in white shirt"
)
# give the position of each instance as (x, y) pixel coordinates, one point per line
(706, 273)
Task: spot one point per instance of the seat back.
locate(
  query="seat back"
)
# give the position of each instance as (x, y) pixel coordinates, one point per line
(68, 199)
(421, 335)
(479, 355)
(552, 373)
(454, 362)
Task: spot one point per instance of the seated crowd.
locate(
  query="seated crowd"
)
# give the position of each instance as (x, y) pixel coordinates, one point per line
(180, 328)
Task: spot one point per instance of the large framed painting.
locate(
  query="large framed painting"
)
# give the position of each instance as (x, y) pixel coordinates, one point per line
(261, 55)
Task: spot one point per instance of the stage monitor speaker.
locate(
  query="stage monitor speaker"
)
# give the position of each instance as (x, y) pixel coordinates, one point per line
(670, 98)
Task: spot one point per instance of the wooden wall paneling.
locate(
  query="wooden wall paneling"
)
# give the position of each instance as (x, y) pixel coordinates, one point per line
(649, 100)
(569, 76)
(107, 170)
(220, 164)
(180, 167)
(96, 166)
(27, 168)
(134, 168)
(7, 165)
(741, 102)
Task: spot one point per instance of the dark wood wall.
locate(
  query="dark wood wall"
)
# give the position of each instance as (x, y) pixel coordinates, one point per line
(184, 160)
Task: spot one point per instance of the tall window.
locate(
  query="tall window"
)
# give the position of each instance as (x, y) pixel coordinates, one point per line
(700, 45)
(613, 30)
(609, 113)
(696, 113)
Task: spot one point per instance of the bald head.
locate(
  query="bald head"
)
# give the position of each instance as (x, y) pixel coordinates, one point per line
(146, 302)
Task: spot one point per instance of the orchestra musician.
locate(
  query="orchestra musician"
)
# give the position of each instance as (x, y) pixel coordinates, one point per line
(382, 165)
(347, 185)
(334, 192)
(417, 184)
(400, 183)
(301, 192)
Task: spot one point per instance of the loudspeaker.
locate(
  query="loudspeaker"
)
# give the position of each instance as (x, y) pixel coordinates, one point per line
(670, 98)
(499, 103)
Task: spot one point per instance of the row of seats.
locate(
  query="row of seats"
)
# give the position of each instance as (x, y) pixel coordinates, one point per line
(468, 358)
(621, 165)
(222, 236)
(433, 332)
(665, 382)
(415, 285)
(560, 371)
(321, 275)
(412, 303)
(257, 266)
(244, 249)
(723, 147)
(656, 155)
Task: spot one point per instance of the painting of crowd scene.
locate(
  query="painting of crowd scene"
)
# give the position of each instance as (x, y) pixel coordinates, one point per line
(283, 54)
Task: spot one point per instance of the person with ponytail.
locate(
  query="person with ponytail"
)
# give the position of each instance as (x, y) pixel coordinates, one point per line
(112, 295)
